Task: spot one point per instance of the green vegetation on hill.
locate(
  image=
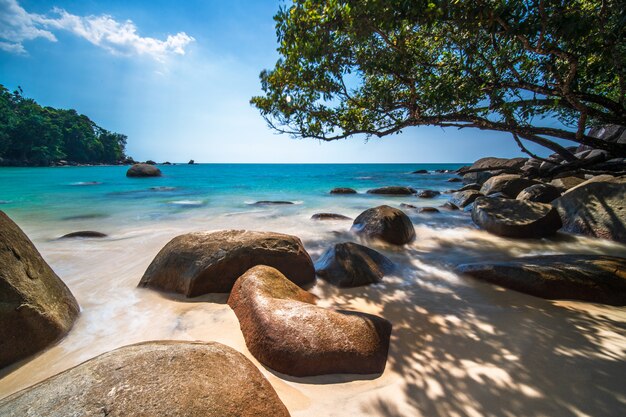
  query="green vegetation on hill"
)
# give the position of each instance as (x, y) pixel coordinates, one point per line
(34, 135)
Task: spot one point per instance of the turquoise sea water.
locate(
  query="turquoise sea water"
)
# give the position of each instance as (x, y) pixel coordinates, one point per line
(70, 194)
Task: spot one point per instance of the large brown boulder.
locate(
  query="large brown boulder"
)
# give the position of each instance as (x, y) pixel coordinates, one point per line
(143, 170)
(287, 332)
(385, 223)
(509, 185)
(352, 265)
(540, 193)
(36, 308)
(164, 378)
(199, 263)
(564, 184)
(464, 198)
(595, 208)
(594, 278)
(515, 218)
(394, 190)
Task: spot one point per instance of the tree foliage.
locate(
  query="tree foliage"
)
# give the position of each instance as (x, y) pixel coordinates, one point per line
(543, 70)
(34, 135)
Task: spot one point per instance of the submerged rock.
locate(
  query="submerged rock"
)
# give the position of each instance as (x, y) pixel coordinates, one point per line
(508, 184)
(515, 218)
(539, 193)
(464, 198)
(329, 216)
(385, 223)
(595, 208)
(36, 308)
(287, 332)
(427, 210)
(351, 265)
(272, 203)
(143, 170)
(393, 191)
(598, 279)
(342, 190)
(84, 233)
(428, 194)
(199, 263)
(420, 171)
(164, 378)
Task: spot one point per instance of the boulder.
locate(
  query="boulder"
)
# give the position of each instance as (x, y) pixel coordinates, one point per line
(385, 223)
(163, 378)
(150, 162)
(594, 278)
(351, 265)
(143, 170)
(515, 218)
(491, 163)
(479, 177)
(420, 171)
(329, 216)
(84, 233)
(428, 194)
(206, 262)
(595, 208)
(36, 308)
(454, 179)
(508, 184)
(540, 193)
(394, 190)
(564, 184)
(342, 190)
(464, 198)
(191, 162)
(286, 331)
(473, 186)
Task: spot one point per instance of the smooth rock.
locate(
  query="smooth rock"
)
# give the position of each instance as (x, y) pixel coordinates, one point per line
(162, 378)
(206, 262)
(508, 184)
(493, 163)
(540, 193)
(393, 191)
(596, 208)
(479, 177)
(464, 198)
(84, 233)
(143, 170)
(594, 278)
(36, 308)
(427, 210)
(455, 179)
(329, 216)
(564, 184)
(385, 223)
(450, 206)
(474, 186)
(286, 331)
(515, 218)
(428, 194)
(420, 171)
(352, 265)
(272, 203)
(342, 190)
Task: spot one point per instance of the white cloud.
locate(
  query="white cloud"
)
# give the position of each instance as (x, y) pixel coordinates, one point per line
(17, 26)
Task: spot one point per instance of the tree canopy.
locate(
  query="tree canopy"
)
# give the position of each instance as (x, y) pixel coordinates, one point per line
(543, 70)
(34, 135)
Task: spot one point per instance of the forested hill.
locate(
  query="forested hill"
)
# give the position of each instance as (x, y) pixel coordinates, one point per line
(34, 135)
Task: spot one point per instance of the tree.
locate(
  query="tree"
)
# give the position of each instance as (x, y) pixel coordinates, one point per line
(543, 70)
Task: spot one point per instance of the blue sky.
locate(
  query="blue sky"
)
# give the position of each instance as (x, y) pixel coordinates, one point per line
(177, 77)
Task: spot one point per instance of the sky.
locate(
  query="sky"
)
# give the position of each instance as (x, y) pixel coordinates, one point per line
(176, 77)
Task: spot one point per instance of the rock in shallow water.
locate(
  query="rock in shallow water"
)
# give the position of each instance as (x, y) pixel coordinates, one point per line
(199, 263)
(352, 265)
(36, 308)
(164, 378)
(342, 191)
(84, 233)
(508, 184)
(287, 332)
(428, 194)
(464, 198)
(143, 170)
(539, 193)
(329, 216)
(385, 223)
(594, 278)
(393, 191)
(515, 218)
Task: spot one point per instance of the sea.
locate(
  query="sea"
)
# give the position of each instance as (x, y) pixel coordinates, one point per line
(459, 346)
